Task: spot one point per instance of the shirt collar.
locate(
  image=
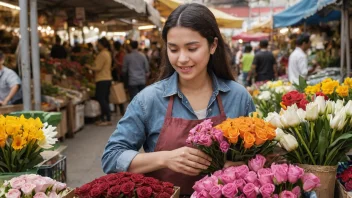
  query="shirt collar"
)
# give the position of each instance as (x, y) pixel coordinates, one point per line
(171, 85)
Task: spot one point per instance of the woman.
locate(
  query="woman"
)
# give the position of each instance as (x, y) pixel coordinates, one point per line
(102, 68)
(196, 84)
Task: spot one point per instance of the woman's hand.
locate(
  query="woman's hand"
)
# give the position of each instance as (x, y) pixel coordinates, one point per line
(186, 160)
(230, 163)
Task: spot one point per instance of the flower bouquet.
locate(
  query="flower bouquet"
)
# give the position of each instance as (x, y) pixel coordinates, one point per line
(211, 141)
(344, 178)
(21, 142)
(280, 180)
(28, 186)
(125, 185)
(248, 136)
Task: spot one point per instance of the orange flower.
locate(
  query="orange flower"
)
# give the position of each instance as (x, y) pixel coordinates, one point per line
(261, 136)
(244, 129)
(249, 140)
(283, 106)
(233, 135)
(3, 138)
(270, 133)
(259, 122)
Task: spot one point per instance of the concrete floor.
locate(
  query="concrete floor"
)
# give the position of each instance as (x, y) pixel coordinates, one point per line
(84, 152)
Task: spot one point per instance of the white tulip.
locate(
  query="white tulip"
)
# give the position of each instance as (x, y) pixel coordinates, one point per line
(274, 119)
(293, 107)
(279, 134)
(338, 106)
(320, 101)
(291, 117)
(301, 114)
(330, 106)
(289, 142)
(265, 95)
(280, 90)
(339, 120)
(312, 112)
(288, 88)
(348, 108)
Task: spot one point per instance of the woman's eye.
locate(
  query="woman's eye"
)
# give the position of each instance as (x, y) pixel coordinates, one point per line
(173, 50)
(193, 50)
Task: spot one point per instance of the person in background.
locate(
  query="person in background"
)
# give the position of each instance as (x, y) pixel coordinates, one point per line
(264, 64)
(58, 51)
(136, 66)
(103, 78)
(145, 52)
(10, 85)
(298, 61)
(246, 64)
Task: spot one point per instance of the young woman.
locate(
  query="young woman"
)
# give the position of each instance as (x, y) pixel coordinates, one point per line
(197, 83)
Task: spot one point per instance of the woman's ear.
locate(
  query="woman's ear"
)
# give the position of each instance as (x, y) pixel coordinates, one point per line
(214, 45)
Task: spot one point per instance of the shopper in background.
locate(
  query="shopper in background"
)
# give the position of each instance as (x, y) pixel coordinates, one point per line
(10, 85)
(136, 67)
(264, 64)
(103, 78)
(246, 64)
(298, 61)
(58, 51)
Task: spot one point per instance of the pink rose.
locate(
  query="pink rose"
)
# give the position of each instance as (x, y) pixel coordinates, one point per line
(205, 140)
(229, 190)
(53, 195)
(41, 185)
(241, 171)
(226, 178)
(287, 194)
(28, 188)
(198, 186)
(49, 181)
(40, 195)
(267, 190)
(203, 194)
(280, 173)
(241, 196)
(209, 184)
(230, 171)
(31, 177)
(219, 136)
(215, 192)
(256, 163)
(194, 195)
(224, 146)
(265, 175)
(218, 173)
(310, 181)
(58, 186)
(250, 190)
(251, 177)
(17, 182)
(297, 191)
(294, 173)
(240, 183)
(275, 196)
(13, 193)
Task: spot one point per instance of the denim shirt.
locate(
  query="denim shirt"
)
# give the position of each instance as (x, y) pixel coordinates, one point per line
(144, 117)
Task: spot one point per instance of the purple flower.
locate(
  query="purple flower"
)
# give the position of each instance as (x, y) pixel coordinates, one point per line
(205, 140)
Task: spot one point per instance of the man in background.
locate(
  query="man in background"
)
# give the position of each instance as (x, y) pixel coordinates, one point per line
(136, 66)
(10, 85)
(58, 51)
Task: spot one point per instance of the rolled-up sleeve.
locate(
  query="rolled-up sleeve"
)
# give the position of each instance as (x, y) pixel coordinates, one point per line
(13, 79)
(126, 140)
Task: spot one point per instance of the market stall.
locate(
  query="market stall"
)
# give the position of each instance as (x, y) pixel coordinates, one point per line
(248, 37)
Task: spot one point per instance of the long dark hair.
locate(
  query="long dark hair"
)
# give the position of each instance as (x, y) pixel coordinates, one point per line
(198, 18)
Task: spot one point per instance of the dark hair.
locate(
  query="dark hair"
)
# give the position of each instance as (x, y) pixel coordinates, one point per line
(134, 44)
(198, 18)
(263, 43)
(248, 48)
(57, 39)
(146, 49)
(303, 38)
(105, 43)
(2, 55)
(117, 45)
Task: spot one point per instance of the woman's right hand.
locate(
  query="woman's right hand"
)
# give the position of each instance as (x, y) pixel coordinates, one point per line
(186, 160)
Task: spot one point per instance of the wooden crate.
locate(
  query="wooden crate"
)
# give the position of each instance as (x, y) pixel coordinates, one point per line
(62, 128)
(10, 108)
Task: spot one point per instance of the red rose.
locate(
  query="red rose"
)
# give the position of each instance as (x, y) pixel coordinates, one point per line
(124, 180)
(302, 104)
(144, 192)
(103, 187)
(98, 181)
(157, 188)
(168, 184)
(127, 188)
(83, 190)
(348, 185)
(321, 94)
(294, 97)
(169, 191)
(127, 174)
(137, 178)
(163, 195)
(114, 191)
(95, 193)
(150, 181)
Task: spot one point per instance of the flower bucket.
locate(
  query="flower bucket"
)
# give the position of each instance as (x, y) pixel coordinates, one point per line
(177, 192)
(8, 176)
(343, 193)
(327, 176)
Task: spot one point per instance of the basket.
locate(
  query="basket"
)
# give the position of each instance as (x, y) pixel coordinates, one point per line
(342, 191)
(55, 168)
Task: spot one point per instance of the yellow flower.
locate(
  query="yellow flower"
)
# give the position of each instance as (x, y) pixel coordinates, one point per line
(329, 87)
(18, 142)
(342, 90)
(12, 128)
(3, 138)
(255, 93)
(311, 90)
(326, 80)
(348, 82)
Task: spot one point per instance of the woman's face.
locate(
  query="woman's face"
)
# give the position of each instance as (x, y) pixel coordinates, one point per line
(188, 52)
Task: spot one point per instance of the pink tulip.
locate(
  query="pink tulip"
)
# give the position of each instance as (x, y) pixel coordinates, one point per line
(205, 140)
(250, 190)
(265, 175)
(287, 194)
(294, 173)
(267, 190)
(310, 181)
(280, 173)
(229, 190)
(257, 163)
(219, 136)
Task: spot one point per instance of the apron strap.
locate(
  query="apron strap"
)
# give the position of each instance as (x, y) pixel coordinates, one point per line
(221, 106)
(169, 107)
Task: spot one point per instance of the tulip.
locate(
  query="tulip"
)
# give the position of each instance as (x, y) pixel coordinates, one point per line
(338, 106)
(312, 112)
(279, 134)
(265, 95)
(348, 108)
(289, 142)
(330, 107)
(320, 101)
(339, 120)
(291, 117)
(274, 119)
(301, 114)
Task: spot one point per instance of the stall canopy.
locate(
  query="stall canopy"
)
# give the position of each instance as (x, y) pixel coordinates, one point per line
(307, 11)
(105, 10)
(248, 37)
(264, 26)
(224, 20)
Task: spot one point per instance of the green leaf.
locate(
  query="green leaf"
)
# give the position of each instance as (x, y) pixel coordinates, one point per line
(302, 84)
(345, 136)
(323, 144)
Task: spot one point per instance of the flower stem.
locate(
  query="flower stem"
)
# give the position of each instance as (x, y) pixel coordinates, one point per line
(311, 132)
(305, 146)
(298, 156)
(332, 136)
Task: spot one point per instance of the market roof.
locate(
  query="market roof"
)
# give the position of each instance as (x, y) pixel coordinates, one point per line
(224, 20)
(306, 11)
(263, 26)
(247, 37)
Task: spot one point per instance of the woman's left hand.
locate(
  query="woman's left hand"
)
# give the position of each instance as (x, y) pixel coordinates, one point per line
(230, 163)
